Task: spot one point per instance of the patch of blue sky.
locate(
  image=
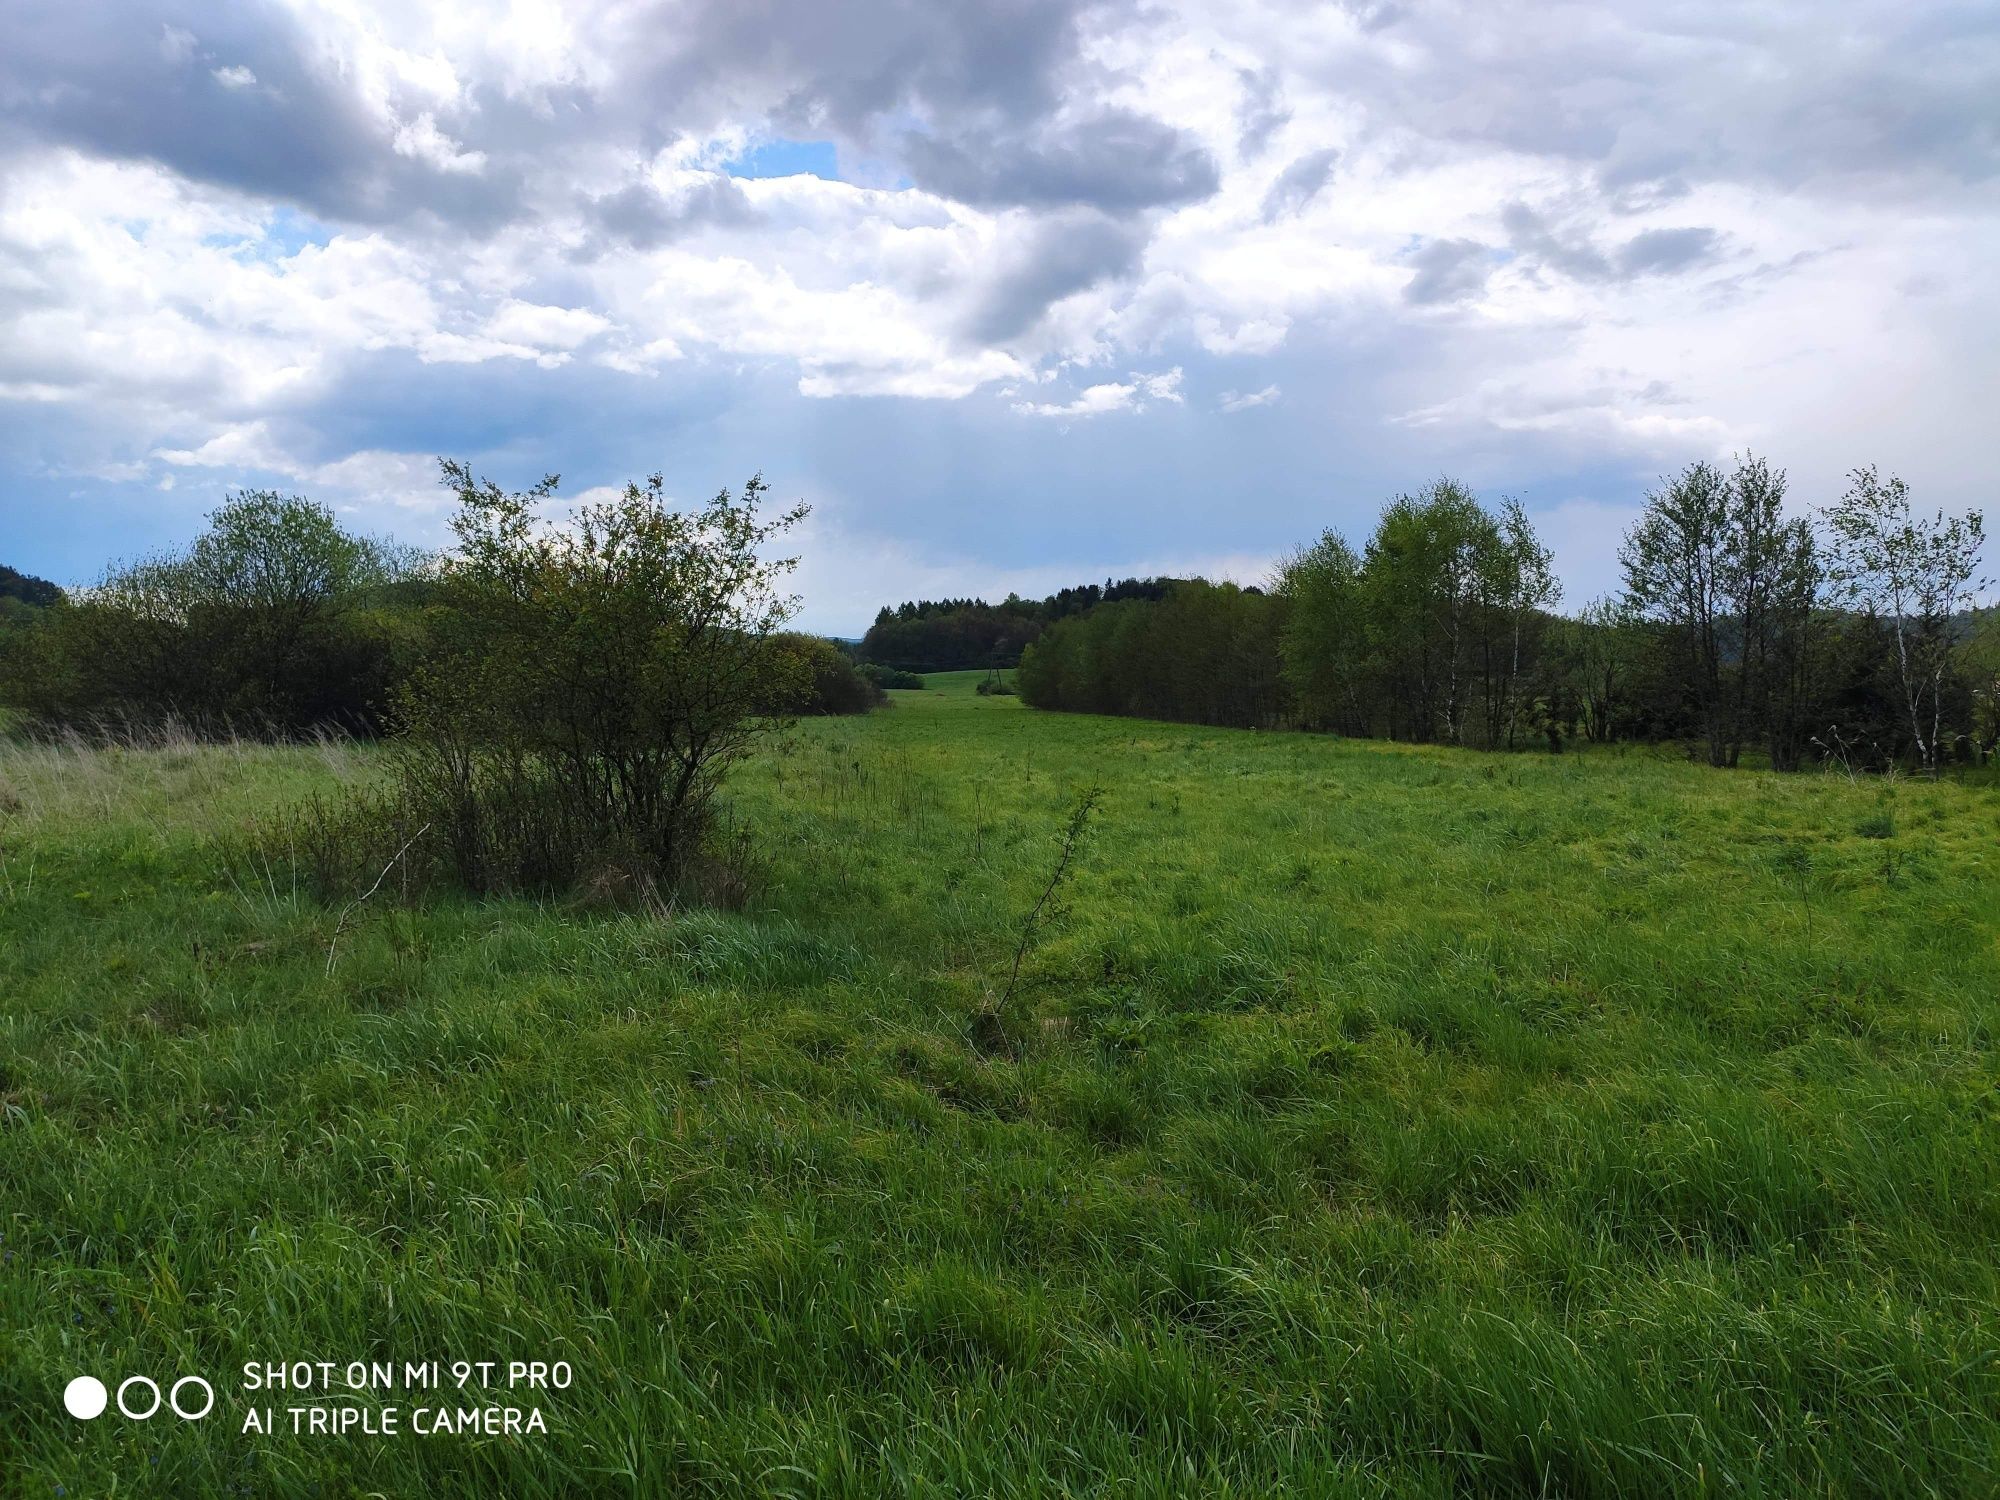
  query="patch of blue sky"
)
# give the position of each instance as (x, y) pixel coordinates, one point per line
(786, 159)
(286, 232)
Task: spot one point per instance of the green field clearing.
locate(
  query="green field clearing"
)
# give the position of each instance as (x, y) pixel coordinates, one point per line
(1380, 1120)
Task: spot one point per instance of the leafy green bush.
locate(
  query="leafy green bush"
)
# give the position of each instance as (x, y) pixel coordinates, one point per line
(891, 677)
(585, 688)
(824, 678)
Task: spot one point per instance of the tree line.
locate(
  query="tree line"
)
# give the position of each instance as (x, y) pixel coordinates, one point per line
(951, 635)
(1850, 635)
(276, 620)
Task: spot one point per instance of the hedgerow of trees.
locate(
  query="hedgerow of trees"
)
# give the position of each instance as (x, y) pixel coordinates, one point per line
(1206, 653)
(1851, 636)
(274, 620)
(1431, 634)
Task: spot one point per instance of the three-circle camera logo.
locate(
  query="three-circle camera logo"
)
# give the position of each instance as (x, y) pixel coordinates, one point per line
(139, 1398)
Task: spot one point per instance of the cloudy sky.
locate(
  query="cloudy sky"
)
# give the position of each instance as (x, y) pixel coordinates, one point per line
(1016, 293)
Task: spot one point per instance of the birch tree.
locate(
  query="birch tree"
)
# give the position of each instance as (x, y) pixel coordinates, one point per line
(1913, 573)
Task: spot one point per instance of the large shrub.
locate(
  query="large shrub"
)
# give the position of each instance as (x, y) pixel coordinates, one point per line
(586, 686)
(822, 678)
(891, 677)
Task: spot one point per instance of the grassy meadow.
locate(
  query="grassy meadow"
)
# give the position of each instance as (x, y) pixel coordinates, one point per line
(1376, 1120)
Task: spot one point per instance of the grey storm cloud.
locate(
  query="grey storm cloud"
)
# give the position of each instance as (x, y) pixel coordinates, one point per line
(1066, 253)
(1560, 248)
(1574, 251)
(1262, 110)
(643, 218)
(1117, 161)
(963, 95)
(1300, 183)
(1667, 250)
(986, 82)
(1448, 271)
(144, 85)
(844, 67)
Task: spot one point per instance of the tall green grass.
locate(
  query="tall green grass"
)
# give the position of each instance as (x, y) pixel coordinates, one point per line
(1380, 1120)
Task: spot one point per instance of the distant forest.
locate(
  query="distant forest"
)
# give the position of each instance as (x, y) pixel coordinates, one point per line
(23, 597)
(952, 635)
